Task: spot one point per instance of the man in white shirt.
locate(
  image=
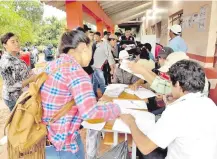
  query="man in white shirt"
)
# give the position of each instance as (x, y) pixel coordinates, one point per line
(188, 126)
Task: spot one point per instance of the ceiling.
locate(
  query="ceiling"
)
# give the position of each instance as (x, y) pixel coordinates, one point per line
(115, 7)
(124, 11)
(120, 11)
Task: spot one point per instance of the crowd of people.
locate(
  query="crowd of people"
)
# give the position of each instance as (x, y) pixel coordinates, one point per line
(187, 126)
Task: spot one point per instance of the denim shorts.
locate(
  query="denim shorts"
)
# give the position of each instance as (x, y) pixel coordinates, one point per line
(51, 152)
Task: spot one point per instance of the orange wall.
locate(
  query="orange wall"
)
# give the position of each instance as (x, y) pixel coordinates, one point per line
(75, 9)
(95, 8)
(74, 14)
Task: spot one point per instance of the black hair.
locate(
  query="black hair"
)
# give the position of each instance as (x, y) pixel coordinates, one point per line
(105, 33)
(144, 54)
(117, 34)
(86, 28)
(80, 29)
(109, 39)
(97, 33)
(148, 46)
(134, 51)
(70, 40)
(6, 37)
(189, 74)
(127, 29)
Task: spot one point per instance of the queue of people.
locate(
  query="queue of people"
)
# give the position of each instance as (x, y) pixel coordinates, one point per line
(188, 122)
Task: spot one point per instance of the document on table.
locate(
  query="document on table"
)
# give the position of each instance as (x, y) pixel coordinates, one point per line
(142, 93)
(98, 126)
(125, 67)
(114, 90)
(144, 120)
(130, 104)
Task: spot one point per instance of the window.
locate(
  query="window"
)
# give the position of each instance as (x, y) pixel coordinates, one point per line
(176, 18)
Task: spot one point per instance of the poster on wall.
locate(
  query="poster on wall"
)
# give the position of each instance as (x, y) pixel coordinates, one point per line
(202, 18)
(183, 23)
(195, 18)
(188, 22)
(202, 13)
(201, 24)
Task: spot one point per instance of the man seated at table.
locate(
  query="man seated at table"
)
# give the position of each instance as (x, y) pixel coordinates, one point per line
(122, 76)
(188, 127)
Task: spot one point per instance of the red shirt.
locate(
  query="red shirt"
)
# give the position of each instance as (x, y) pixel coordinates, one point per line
(25, 56)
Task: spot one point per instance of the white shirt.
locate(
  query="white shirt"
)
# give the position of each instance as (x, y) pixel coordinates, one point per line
(188, 127)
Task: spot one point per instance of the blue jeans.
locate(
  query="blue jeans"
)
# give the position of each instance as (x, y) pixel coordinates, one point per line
(51, 152)
(10, 104)
(98, 80)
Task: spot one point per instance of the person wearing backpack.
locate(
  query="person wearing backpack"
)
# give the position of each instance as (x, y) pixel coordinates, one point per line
(69, 83)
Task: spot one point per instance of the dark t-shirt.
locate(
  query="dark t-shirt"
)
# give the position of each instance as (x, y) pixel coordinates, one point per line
(89, 69)
(130, 38)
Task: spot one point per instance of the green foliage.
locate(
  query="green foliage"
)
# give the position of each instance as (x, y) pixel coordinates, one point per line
(24, 18)
(31, 10)
(11, 21)
(50, 31)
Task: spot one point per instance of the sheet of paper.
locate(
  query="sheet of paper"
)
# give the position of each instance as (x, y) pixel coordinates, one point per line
(129, 91)
(113, 86)
(114, 90)
(125, 67)
(202, 18)
(98, 126)
(144, 93)
(144, 120)
(131, 104)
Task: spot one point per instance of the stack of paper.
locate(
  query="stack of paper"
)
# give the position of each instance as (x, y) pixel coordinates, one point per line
(144, 120)
(114, 90)
(124, 66)
(142, 93)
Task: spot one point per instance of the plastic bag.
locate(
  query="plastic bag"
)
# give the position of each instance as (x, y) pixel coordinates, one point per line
(118, 152)
(92, 143)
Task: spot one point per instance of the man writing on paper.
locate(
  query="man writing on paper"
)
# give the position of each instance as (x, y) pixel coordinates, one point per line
(188, 126)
